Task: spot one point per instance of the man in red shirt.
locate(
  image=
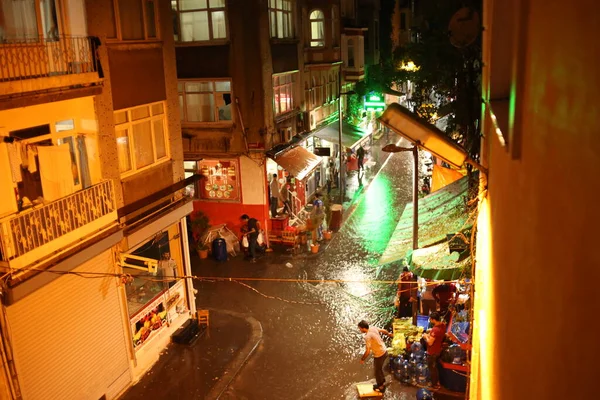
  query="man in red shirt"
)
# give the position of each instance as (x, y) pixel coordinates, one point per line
(434, 338)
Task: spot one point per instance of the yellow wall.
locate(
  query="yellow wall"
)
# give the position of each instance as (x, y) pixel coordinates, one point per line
(535, 337)
(81, 109)
(253, 181)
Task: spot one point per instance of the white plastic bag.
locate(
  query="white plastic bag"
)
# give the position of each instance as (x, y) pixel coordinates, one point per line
(245, 242)
(260, 239)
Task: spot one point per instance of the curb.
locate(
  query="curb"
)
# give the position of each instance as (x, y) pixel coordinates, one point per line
(244, 354)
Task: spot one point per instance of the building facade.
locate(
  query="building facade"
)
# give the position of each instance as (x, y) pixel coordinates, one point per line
(537, 232)
(91, 173)
(273, 78)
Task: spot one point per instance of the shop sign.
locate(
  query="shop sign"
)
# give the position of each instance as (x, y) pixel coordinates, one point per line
(374, 102)
(146, 323)
(220, 180)
(323, 151)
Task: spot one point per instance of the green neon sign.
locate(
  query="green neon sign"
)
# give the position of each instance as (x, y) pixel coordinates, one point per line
(374, 102)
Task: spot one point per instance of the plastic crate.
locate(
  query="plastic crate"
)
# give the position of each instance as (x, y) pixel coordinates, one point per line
(279, 223)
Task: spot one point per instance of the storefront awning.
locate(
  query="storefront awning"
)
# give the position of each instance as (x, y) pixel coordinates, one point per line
(408, 125)
(437, 263)
(440, 213)
(351, 135)
(298, 161)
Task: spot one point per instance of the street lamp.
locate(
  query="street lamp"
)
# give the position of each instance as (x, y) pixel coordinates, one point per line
(342, 173)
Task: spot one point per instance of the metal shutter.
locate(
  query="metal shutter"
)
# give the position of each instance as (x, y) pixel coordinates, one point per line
(68, 337)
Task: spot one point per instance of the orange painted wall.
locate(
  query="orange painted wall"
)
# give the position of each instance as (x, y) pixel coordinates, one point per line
(544, 262)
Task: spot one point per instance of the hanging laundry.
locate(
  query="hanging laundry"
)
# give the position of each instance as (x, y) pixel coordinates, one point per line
(31, 155)
(23, 154)
(14, 157)
(55, 171)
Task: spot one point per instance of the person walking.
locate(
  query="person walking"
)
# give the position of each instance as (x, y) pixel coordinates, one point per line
(252, 231)
(274, 187)
(428, 303)
(360, 153)
(434, 338)
(317, 217)
(284, 195)
(374, 343)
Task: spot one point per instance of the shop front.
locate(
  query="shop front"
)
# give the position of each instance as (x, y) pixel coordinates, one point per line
(228, 188)
(157, 302)
(301, 169)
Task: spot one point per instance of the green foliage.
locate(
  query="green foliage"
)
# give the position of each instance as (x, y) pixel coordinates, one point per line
(448, 81)
(355, 110)
(200, 225)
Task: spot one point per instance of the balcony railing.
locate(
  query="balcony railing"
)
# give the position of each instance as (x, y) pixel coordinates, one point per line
(34, 234)
(38, 58)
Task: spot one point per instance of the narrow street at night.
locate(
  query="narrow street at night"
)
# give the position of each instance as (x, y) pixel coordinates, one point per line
(310, 348)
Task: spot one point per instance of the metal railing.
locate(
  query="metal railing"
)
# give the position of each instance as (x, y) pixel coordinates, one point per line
(41, 57)
(31, 229)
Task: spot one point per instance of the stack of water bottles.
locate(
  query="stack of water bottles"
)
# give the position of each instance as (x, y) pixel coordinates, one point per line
(411, 369)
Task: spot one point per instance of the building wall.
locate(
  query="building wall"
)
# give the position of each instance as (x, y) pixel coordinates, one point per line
(537, 260)
(136, 74)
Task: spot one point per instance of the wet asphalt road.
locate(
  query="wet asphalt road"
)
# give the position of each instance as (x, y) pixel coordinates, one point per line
(311, 348)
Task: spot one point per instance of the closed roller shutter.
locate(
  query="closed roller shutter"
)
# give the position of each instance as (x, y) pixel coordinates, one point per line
(68, 337)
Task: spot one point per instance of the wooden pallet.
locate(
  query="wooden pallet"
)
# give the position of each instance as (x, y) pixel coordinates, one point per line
(365, 391)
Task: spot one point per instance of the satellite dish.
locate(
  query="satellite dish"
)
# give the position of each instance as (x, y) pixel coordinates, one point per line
(464, 27)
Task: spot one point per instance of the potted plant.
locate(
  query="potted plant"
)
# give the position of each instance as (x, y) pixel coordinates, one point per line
(199, 227)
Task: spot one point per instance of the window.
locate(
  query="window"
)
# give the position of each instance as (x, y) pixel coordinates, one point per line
(335, 26)
(199, 20)
(205, 101)
(317, 29)
(137, 19)
(32, 20)
(348, 8)
(332, 85)
(351, 53)
(141, 134)
(283, 92)
(281, 19)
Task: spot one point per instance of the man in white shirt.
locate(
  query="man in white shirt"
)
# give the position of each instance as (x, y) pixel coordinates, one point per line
(167, 268)
(374, 343)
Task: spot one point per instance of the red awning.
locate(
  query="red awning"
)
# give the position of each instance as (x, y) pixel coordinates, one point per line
(298, 161)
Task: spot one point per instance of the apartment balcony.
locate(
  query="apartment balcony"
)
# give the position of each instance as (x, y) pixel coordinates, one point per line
(31, 65)
(354, 74)
(42, 232)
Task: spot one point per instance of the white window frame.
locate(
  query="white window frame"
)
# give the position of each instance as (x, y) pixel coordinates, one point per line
(182, 95)
(278, 86)
(209, 10)
(317, 43)
(147, 37)
(128, 127)
(285, 9)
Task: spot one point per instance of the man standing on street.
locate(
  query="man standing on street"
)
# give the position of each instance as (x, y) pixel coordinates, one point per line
(407, 294)
(274, 186)
(374, 343)
(434, 338)
(252, 231)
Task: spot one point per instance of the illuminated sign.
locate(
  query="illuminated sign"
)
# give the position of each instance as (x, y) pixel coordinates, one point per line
(374, 102)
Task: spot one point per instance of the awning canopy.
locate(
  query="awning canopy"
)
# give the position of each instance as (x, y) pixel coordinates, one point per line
(437, 263)
(351, 135)
(410, 126)
(440, 213)
(298, 161)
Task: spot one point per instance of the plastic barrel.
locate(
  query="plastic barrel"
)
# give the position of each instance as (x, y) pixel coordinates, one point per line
(335, 222)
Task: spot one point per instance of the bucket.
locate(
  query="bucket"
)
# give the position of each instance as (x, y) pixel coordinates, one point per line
(314, 248)
(327, 235)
